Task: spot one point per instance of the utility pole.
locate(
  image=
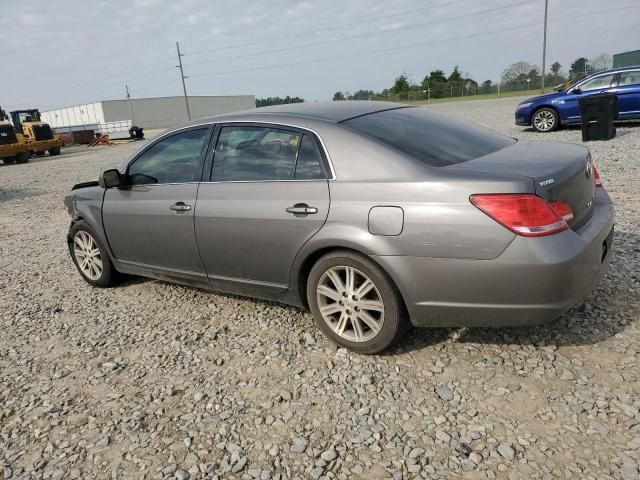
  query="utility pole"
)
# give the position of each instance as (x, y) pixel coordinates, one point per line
(544, 42)
(184, 87)
(133, 122)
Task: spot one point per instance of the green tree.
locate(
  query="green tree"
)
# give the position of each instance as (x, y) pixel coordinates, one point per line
(437, 76)
(580, 68)
(555, 67)
(265, 102)
(363, 94)
(486, 87)
(401, 84)
(338, 96)
(455, 76)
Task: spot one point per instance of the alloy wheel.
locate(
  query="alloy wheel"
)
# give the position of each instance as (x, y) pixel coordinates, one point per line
(544, 121)
(87, 254)
(350, 303)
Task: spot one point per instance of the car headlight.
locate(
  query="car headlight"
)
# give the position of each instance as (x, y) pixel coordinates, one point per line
(525, 104)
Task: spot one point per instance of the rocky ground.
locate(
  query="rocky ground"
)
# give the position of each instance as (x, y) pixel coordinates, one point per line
(151, 380)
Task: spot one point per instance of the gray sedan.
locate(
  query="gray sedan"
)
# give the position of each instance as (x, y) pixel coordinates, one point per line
(375, 216)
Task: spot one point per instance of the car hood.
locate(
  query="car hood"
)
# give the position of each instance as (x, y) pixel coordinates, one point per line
(544, 98)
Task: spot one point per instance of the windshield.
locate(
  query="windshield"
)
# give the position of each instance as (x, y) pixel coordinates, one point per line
(428, 136)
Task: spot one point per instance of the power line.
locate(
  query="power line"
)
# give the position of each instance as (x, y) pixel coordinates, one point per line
(406, 46)
(79, 85)
(370, 52)
(325, 29)
(362, 35)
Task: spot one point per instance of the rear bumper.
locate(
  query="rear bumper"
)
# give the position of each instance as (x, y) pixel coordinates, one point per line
(534, 281)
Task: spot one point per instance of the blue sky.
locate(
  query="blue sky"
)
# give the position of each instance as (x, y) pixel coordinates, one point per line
(68, 52)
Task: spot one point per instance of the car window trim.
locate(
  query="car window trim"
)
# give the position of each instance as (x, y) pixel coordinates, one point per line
(201, 162)
(326, 165)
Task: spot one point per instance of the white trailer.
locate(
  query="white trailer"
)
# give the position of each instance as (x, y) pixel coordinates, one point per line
(114, 116)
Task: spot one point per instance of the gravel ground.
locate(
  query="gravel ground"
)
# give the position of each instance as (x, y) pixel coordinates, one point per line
(151, 380)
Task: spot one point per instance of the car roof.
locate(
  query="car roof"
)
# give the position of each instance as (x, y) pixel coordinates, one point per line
(333, 112)
(613, 70)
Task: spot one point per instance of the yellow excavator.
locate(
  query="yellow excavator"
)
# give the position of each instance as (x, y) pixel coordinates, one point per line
(35, 132)
(13, 147)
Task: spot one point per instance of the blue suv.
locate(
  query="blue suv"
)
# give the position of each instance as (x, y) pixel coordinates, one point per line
(546, 113)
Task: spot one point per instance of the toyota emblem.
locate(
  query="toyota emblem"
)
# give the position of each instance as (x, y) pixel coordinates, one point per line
(589, 170)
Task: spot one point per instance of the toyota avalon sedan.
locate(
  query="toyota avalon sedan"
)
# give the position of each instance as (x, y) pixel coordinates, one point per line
(375, 216)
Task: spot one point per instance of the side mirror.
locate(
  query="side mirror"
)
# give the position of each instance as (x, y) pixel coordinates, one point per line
(576, 91)
(110, 178)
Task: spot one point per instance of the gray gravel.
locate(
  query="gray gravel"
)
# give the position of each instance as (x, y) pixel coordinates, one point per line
(151, 380)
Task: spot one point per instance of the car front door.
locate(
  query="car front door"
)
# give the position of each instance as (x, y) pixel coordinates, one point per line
(628, 91)
(268, 195)
(149, 220)
(592, 86)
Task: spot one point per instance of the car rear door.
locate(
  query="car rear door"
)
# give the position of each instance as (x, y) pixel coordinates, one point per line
(268, 194)
(628, 90)
(149, 221)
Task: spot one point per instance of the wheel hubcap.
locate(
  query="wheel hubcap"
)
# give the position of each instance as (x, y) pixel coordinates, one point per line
(544, 120)
(87, 255)
(350, 304)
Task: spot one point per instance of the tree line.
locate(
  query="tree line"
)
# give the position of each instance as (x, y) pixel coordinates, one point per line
(436, 84)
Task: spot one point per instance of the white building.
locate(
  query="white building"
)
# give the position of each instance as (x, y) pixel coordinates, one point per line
(114, 116)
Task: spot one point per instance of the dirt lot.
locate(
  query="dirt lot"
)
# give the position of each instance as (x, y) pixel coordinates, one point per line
(150, 380)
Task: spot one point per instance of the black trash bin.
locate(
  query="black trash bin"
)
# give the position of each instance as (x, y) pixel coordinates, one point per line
(598, 113)
(136, 133)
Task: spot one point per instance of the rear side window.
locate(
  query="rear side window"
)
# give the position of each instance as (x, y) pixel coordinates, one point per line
(630, 78)
(430, 137)
(309, 163)
(254, 153)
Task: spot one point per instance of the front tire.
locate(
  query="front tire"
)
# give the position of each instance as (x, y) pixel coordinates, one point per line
(545, 120)
(22, 157)
(8, 160)
(54, 151)
(90, 256)
(355, 303)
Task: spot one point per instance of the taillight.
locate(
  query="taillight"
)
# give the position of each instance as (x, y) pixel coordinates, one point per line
(563, 209)
(522, 213)
(596, 177)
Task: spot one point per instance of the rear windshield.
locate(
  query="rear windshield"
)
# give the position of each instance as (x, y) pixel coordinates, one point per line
(430, 137)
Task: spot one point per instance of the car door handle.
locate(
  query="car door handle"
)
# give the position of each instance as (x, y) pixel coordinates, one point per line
(302, 209)
(180, 207)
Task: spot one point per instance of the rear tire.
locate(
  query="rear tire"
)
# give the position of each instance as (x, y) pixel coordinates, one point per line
(90, 256)
(22, 157)
(8, 160)
(54, 151)
(545, 120)
(355, 303)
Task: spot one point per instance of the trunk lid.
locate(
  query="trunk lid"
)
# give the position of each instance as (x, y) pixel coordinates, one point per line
(559, 171)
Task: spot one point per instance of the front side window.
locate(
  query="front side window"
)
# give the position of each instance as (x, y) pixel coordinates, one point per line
(175, 159)
(630, 78)
(430, 137)
(601, 82)
(249, 153)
